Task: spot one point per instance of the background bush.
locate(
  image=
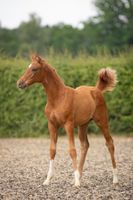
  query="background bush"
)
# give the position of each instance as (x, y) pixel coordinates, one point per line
(22, 111)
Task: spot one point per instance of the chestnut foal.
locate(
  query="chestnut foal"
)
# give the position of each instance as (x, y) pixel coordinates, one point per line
(71, 108)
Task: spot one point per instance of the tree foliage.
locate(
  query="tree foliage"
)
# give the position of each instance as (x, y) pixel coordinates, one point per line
(116, 22)
(111, 29)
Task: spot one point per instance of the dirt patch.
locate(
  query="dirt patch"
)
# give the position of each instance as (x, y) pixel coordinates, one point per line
(24, 165)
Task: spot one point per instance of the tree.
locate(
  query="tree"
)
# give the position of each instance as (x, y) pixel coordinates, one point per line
(111, 29)
(30, 34)
(65, 37)
(116, 21)
(9, 41)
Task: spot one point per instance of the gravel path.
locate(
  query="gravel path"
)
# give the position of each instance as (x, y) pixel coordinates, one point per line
(24, 165)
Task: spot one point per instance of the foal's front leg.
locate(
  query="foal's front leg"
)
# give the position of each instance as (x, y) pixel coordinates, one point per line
(53, 140)
(72, 150)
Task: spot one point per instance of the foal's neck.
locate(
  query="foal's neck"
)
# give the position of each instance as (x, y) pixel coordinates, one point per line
(53, 85)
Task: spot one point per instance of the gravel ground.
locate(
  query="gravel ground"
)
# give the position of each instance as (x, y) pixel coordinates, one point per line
(24, 165)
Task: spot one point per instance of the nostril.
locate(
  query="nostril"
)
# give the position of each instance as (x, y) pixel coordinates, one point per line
(20, 83)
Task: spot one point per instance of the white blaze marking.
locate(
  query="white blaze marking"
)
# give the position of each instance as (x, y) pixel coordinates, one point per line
(115, 178)
(30, 65)
(50, 172)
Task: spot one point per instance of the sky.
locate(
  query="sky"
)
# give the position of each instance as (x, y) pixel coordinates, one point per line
(13, 12)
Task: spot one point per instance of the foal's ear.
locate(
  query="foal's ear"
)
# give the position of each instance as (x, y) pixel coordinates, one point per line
(36, 58)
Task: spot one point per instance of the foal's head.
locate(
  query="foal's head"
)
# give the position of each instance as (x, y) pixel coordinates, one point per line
(34, 73)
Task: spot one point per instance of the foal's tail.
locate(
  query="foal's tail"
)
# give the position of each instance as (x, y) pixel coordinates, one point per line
(107, 79)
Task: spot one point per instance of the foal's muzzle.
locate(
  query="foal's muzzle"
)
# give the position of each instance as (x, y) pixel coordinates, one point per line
(21, 84)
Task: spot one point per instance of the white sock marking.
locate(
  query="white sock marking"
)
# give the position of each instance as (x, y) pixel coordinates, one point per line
(77, 177)
(50, 172)
(115, 178)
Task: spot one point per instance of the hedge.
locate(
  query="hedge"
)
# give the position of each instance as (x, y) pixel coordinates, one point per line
(22, 111)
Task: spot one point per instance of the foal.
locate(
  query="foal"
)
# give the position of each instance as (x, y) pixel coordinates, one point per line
(69, 108)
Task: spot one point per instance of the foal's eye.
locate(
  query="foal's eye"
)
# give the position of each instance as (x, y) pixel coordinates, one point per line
(35, 69)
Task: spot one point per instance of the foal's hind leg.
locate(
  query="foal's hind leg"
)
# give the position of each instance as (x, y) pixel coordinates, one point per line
(101, 119)
(72, 150)
(84, 145)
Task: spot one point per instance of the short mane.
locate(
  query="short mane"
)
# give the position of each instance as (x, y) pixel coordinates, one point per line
(52, 70)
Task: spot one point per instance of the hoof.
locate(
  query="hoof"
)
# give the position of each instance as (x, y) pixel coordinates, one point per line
(115, 183)
(46, 182)
(115, 180)
(77, 184)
